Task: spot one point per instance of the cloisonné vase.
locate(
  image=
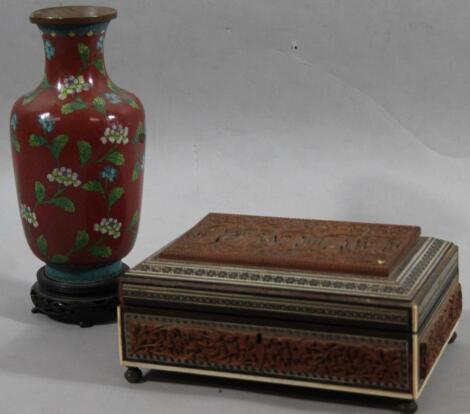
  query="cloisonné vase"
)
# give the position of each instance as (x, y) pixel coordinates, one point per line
(78, 152)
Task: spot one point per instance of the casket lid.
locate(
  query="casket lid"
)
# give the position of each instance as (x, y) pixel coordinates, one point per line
(298, 258)
(312, 245)
(339, 272)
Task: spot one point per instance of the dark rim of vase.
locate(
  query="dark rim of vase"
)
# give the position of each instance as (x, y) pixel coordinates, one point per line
(73, 15)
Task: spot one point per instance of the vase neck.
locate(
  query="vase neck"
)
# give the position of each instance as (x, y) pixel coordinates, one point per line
(74, 53)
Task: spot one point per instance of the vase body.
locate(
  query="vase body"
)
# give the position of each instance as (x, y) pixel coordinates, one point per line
(78, 152)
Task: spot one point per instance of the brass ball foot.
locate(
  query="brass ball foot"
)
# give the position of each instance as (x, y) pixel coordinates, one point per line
(133, 375)
(408, 407)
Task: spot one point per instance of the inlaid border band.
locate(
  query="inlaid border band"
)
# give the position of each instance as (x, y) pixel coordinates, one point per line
(402, 288)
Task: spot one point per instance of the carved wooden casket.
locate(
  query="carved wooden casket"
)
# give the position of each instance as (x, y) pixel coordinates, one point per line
(353, 307)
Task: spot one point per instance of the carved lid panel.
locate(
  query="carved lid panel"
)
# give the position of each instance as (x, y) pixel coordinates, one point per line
(313, 245)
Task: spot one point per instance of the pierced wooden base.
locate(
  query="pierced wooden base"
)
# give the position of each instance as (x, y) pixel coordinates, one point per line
(85, 305)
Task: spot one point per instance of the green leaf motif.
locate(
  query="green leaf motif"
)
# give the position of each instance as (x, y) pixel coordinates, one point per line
(59, 258)
(115, 157)
(135, 219)
(139, 134)
(99, 64)
(136, 171)
(101, 251)
(112, 86)
(93, 186)
(30, 97)
(42, 244)
(15, 142)
(40, 192)
(99, 104)
(37, 140)
(70, 107)
(82, 239)
(132, 103)
(115, 195)
(84, 151)
(45, 82)
(58, 144)
(84, 52)
(64, 203)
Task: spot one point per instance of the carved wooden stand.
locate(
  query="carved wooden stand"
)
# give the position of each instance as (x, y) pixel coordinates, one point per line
(85, 305)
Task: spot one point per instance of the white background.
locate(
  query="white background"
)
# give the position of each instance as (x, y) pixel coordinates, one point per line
(366, 118)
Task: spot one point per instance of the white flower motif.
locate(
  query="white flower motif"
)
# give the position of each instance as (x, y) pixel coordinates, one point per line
(64, 176)
(117, 134)
(29, 215)
(109, 226)
(72, 85)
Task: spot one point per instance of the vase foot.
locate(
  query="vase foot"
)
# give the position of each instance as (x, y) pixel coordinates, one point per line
(84, 305)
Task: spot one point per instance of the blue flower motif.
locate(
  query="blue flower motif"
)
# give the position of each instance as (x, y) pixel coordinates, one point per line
(49, 49)
(100, 43)
(108, 173)
(112, 97)
(14, 121)
(47, 122)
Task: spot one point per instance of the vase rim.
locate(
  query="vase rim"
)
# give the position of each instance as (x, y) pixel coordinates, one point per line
(64, 15)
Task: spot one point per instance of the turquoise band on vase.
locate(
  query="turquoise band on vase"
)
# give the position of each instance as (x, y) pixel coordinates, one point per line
(74, 275)
(74, 29)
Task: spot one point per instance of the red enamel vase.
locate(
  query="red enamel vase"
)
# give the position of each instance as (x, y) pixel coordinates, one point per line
(78, 144)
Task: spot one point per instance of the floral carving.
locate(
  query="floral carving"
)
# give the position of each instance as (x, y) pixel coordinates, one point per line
(344, 359)
(317, 245)
(439, 331)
